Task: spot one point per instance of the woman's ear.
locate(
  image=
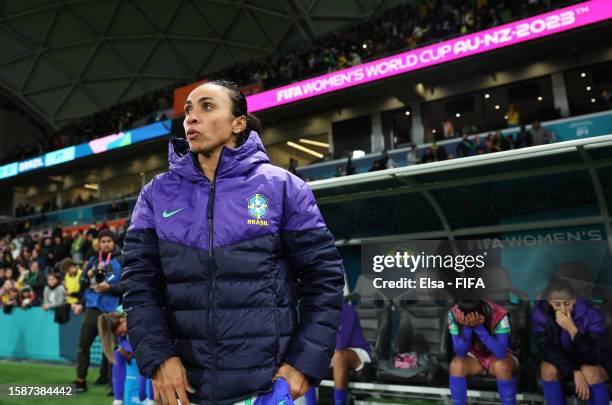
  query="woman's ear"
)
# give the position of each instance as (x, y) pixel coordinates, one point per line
(239, 124)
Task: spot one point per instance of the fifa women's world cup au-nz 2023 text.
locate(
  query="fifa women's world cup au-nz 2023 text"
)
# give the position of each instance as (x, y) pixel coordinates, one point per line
(404, 261)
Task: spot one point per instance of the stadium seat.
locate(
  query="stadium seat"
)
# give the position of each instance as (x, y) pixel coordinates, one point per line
(375, 317)
(421, 330)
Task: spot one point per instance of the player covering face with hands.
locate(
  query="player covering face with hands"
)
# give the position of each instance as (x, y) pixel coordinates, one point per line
(480, 331)
(573, 344)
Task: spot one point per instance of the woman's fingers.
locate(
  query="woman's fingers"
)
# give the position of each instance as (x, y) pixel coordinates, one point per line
(170, 395)
(582, 391)
(156, 393)
(188, 386)
(182, 394)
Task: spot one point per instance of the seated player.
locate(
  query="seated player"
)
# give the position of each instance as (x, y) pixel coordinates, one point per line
(352, 353)
(480, 332)
(571, 338)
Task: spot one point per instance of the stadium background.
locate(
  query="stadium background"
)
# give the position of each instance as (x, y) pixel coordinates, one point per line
(91, 92)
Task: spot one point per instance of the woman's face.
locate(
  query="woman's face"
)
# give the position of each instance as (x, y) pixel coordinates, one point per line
(561, 302)
(121, 327)
(209, 123)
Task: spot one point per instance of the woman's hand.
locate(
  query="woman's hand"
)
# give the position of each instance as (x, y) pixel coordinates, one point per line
(566, 322)
(128, 355)
(459, 316)
(169, 381)
(298, 384)
(582, 387)
(474, 319)
(77, 308)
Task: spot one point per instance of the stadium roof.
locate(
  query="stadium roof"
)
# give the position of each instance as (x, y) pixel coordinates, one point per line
(63, 60)
(565, 184)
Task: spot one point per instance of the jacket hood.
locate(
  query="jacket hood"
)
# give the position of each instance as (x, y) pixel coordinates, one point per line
(232, 162)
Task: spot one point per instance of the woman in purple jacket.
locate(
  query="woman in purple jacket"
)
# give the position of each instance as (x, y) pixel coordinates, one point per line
(572, 341)
(220, 250)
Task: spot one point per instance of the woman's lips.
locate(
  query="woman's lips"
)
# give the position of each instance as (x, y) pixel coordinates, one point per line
(192, 134)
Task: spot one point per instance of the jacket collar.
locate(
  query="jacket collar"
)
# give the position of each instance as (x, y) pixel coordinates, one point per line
(232, 163)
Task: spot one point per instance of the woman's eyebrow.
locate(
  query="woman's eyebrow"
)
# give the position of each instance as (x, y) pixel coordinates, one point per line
(205, 98)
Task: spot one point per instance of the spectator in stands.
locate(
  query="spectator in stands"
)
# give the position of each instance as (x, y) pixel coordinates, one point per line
(501, 142)
(350, 166)
(87, 249)
(480, 148)
(352, 353)
(413, 156)
(10, 300)
(375, 166)
(60, 250)
(72, 275)
(8, 258)
(490, 144)
(428, 156)
(100, 294)
(76, 246)
(571, 338)
(465, 147)
(36, 279)
(9, 274)
(448, 128)
(480, 331)
(605, 99)
(53, 293)
(340, 171)
(28, 298)
(386, 162)
(439, 152)
(540, 134)
(47, 253)
(7, 286)
(513, 116)
(523, 139)
(22, 276)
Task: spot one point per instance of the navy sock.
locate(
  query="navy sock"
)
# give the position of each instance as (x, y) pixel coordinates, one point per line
(507, 391)
(599, 394)
(311, 396)
(340, 396)
(458, 388)
(553, 392)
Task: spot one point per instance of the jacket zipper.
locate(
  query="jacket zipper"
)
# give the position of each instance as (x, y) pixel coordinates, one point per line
(211, 292)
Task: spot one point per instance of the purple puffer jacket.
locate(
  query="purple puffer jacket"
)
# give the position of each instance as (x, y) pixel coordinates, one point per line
(213, 273)
(589, 346)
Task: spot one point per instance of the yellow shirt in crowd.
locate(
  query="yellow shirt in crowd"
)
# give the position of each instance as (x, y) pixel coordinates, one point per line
(71, 283)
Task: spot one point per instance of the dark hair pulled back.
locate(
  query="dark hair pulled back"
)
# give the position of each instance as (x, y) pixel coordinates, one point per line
(239, 107)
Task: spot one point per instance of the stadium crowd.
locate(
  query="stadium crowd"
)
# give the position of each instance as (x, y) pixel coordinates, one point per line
(469, 145)
(399, 28)
(44, 270)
